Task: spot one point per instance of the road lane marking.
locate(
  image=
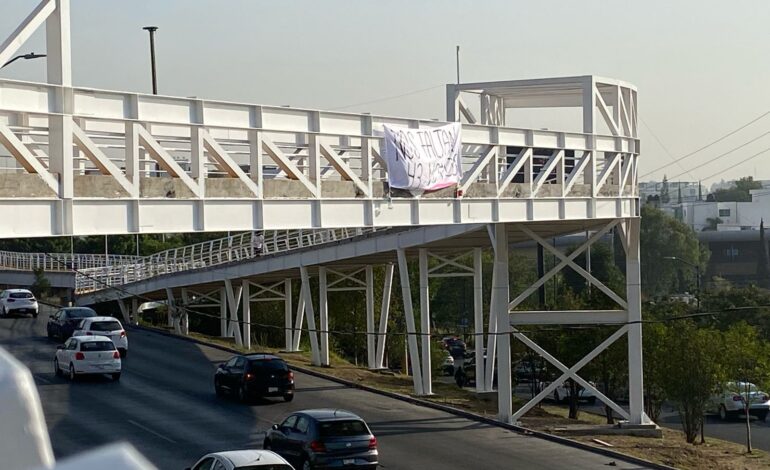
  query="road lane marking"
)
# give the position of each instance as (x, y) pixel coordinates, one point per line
(151, 431)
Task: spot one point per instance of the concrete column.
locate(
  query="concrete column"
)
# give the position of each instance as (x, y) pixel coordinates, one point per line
(371, 344)
(425, 322)
(246, 314)
(501, 289)
(634, 296)
(323, 313)
(135, 310)
(478, 319)
(489, 364)
(406, 293)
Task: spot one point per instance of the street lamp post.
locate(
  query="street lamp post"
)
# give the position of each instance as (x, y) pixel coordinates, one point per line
(31, 55)
(697, 274)
(152, 30)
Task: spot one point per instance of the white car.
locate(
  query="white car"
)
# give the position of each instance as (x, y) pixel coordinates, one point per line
(104, 326)
(731, 402)
(87, 355)
(242, 460)
(18, 301)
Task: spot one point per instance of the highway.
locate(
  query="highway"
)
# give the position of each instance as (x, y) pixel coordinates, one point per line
(165, 406)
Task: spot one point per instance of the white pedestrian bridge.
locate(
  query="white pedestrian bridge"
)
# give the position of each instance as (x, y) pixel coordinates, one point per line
(314, 187)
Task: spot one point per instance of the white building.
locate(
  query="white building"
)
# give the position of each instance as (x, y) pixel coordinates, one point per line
(730, 215)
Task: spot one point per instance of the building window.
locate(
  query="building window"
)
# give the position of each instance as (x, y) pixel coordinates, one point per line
(731, 254)
(724, 212)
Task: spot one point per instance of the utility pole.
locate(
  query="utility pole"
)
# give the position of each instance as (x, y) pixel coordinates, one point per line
(458, 63)
(152, 30)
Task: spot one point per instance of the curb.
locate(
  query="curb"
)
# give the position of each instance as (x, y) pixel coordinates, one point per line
(436, 406)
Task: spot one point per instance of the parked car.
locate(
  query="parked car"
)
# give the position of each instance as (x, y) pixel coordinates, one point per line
(524, 370)
(324, 439)
(82, 355)
(104, 326)
(731, 402)
(242, 460)
(18, 301)
(255, 375)
(562, 393)
(62, 323)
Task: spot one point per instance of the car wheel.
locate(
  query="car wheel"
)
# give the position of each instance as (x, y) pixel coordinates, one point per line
(723, 413)
(34, 315)
(266, 445)
(72, 375)
(48, 332)
(218, 388)
(116, 376)
(242, 396)
(762, 416)
(123, 353)
(288, 397)
(306, 465)
(592, 401)
(56, 369)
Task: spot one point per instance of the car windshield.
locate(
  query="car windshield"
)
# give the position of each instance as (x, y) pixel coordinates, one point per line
(268, 365)
(105, 326)
(277, 466)
(97, 346)
(351, 427)
(20, 295)
(81, 313)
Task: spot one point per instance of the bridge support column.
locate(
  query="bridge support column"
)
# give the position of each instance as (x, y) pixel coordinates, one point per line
(323, 313)
(634, 299)
(489, 363)
(135, 310)
(406, 293)
(233, 299)
(370, 334)
(223, 312)
(185, 317)
(500, 287)
(478, 319)
(124, 311)
(246, 314)
(287, 314)
(427, 387)
(315, 356)
(384, 311)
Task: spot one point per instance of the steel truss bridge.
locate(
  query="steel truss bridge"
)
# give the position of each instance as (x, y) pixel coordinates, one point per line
(314, 183)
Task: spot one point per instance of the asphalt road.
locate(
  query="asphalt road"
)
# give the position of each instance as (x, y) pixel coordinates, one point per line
(165, 406)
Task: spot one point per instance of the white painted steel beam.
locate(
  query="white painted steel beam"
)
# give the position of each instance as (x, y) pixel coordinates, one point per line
(233, 302)
(478, 319)
(633, 291)
(287, 315)
(323, 314)
(501, 288)
(411, 331)
(31, 23)
(427, 386)
(569, 317)
(384, 311)
(371, 343)
(246, 305)
(311, 328)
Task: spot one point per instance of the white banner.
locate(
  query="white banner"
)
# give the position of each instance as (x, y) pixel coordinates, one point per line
(423, 159)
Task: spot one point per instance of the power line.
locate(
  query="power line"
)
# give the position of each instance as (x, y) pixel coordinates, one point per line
(725, 154)
(664, 148)
(387, 98)
(720, 139)
(739, 163)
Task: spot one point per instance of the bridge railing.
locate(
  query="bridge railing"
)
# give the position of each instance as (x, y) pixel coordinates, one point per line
(61, 262)
(235, 248)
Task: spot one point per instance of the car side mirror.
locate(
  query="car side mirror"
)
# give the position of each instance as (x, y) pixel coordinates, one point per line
(276, 427)
(61, 346)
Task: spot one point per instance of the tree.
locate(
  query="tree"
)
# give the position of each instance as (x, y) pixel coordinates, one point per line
(711, 224)
(665, 198)
(41, 287)
(692, 371)
(763, 268)
(740, 191)
(747, 361)
(663, 236)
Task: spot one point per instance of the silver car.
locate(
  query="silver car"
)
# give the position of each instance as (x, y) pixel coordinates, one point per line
(18, 301)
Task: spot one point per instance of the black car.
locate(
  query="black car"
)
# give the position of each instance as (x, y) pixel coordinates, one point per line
(324, 439)
(255, 376)
(64, 322)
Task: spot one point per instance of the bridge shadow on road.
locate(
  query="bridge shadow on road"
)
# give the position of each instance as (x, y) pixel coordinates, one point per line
(426, 425)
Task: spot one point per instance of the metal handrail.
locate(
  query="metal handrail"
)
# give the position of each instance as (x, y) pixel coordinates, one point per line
(235, 248)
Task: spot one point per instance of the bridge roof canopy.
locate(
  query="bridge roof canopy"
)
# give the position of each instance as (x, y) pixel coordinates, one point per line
(556, 92)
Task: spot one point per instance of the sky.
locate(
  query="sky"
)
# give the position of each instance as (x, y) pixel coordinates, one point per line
(701, 66)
